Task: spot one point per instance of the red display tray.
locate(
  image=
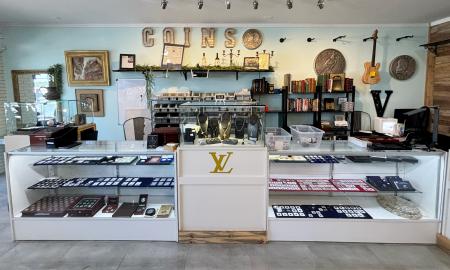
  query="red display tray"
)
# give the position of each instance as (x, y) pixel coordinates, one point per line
(352, 185)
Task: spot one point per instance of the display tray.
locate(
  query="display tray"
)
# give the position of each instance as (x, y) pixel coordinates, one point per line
(91, 160)
(341, 185)
(104, 182)
(327, 159)
(320, 211)
(155, 160)
(104, 215)
(304, 159)
(51, 206)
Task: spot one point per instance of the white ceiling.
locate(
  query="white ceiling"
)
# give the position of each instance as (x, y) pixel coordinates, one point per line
(32, 12)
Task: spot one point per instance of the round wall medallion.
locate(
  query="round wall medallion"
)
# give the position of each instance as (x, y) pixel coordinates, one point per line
(329, 61)
(252, 39)
(402, 67)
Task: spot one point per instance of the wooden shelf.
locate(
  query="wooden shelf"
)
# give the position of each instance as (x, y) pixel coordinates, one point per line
(186, 71)
(433, 46)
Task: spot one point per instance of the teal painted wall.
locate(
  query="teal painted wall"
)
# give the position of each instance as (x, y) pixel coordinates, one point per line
(40, 47)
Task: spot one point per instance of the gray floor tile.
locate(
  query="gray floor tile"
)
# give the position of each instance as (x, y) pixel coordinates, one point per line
(407, 257)
(155, 255)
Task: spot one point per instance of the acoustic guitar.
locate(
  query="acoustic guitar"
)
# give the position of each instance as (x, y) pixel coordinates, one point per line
(372, 70)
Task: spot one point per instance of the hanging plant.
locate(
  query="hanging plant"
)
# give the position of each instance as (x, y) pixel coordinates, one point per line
(55, 82)
(149, 82)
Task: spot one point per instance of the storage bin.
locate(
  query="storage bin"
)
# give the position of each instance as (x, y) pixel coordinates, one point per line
(306, 136)
(277, 138)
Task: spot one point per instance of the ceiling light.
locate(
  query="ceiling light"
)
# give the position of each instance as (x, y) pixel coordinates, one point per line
(255, 4)
(200, 4)
(289, 4)
(228, 4)
(321, 4)
(164, 4)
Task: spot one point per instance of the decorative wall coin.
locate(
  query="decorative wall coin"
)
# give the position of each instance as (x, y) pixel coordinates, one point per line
(252, 39)
(329, 61)
(402, 67)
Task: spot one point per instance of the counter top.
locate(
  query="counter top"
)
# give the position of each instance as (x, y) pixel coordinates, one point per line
(346, 148)
(95, 148)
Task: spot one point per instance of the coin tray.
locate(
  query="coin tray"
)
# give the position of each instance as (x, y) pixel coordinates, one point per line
(105, 182)
(318, 185)
(321, 159)
(320, 211)
(283, 185)
(352, 185)
(50, 206)
(94, 160)
(49, 183)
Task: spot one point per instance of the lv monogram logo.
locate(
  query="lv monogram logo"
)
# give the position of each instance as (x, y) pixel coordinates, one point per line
(221, 162)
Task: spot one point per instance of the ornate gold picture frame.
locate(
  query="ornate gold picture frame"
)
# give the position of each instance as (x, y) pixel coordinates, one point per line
(87, 68)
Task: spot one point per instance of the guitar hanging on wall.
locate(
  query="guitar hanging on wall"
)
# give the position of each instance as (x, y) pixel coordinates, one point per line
(372, 69)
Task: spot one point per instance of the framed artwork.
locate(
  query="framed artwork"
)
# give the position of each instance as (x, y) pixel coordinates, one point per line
(251, 63)
(90, 102)
(264, 61)
(172, 57)
(86, 68)
(127, 61)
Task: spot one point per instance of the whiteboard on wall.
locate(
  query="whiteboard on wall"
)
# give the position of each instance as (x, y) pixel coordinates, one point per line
(131, 99)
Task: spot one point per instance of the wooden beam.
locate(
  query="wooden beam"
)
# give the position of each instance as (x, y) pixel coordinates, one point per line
(222, 237)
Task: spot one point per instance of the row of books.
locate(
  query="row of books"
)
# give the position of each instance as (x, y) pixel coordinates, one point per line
(303, 105)
(335, 83)
(307, 85)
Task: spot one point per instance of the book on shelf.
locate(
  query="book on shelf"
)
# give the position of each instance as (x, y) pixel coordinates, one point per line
(303, 105)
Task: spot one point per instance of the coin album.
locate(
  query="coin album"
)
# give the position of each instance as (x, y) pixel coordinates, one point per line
(320, 211)
(87, 206)
(131, 182)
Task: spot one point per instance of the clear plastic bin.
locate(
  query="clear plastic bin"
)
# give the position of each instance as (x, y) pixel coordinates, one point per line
(306, 136)
(277, 138)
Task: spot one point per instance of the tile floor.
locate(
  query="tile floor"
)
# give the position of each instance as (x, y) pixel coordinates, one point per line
(106, 255)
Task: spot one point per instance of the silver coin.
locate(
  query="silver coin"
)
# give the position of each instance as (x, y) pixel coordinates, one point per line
(402, 67)
(252, 39)
(329, 61)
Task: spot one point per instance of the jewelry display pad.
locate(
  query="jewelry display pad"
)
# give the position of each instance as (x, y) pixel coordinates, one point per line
(129, 182)
(352, 185)
(50, 206)
(320, 211)
(104, 160)
(155, 160)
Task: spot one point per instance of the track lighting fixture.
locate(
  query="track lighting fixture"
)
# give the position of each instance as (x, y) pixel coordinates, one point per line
(321, 4)
(310, 39)
(228, 4)
(338, 38)
(255, 4)
(164, 4)
(200, 4)
(289, 4)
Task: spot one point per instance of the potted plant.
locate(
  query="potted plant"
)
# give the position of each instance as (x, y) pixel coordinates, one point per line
(55, 84)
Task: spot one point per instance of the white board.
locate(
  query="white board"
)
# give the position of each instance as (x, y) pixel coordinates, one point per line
(131, 99)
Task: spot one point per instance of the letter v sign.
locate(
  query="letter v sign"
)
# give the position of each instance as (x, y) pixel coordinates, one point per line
(220, 162)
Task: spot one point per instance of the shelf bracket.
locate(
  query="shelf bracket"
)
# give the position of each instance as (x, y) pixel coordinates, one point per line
(237, 75)
(185, 75)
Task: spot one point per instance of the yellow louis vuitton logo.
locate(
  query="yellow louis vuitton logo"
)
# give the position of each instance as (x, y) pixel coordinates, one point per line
(221, 162)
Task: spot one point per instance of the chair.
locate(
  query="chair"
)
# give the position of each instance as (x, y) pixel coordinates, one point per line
(137, 128)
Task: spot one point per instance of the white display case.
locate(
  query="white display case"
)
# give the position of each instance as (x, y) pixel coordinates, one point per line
(24, 171)
(424, 170)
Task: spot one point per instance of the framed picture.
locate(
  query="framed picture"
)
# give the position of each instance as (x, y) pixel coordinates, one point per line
(251, 63)
(90, 102)
(172, 57)
(127, 61)
(264, 61)
(86, 68)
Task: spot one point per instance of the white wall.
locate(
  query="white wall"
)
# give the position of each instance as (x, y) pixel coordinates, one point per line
(40, 47)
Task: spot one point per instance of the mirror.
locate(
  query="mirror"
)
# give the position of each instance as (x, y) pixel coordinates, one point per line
(27, 85)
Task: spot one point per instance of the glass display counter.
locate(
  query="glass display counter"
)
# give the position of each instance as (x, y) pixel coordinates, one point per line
(222, 123)
(343, 193)
(96, 191)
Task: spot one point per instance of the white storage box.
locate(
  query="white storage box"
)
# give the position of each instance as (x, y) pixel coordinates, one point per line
(306, 136)
(277, 138)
